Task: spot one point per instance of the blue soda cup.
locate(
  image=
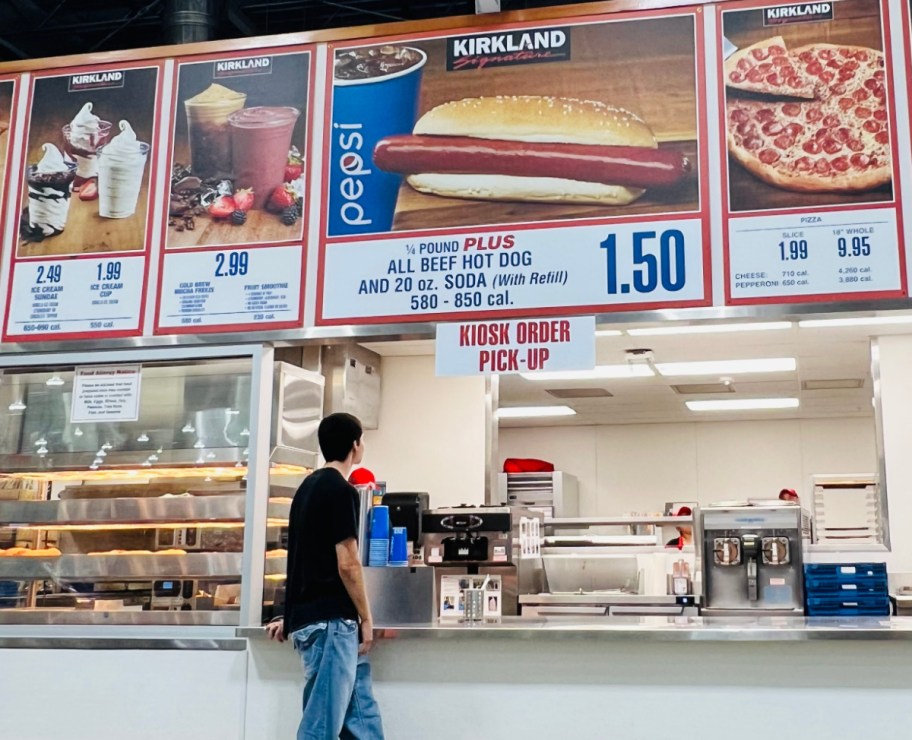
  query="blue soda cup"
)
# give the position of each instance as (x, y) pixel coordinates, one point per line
(399, 547)
(362, 198)
(380, 523)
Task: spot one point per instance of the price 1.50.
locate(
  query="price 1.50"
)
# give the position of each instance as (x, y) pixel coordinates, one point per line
(658, 260)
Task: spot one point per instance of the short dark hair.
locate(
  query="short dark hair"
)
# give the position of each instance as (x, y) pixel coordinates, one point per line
(337, 434)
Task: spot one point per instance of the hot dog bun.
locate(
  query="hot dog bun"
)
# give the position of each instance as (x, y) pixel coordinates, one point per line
(532, 118)
(533, 189)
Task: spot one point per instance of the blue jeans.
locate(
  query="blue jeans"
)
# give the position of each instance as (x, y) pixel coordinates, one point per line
(338, 700)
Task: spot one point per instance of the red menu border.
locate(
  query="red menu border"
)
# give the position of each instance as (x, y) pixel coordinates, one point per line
(703, 212)
(22, 146)
(157, 329)
(895, 204)
(12, 145)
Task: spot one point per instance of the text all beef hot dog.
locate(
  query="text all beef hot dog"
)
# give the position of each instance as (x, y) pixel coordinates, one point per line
(630, 166)
(532, 148)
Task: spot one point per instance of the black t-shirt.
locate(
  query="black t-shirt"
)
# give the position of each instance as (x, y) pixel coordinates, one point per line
(324, 513)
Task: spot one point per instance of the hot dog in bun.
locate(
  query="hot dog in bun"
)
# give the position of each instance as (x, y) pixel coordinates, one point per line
(532, 148)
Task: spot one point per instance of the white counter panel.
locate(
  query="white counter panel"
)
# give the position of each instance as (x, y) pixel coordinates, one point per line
(122, 694)
(545, 688)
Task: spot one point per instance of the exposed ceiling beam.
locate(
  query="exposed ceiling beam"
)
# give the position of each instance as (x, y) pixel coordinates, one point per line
(240, 20)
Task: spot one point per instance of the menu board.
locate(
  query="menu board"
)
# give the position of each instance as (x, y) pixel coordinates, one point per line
(812, 208)
(85, 196)
(520, 170)
(233, 247)
(8, 90)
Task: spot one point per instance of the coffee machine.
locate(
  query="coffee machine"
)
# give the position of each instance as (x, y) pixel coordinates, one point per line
(752, 560)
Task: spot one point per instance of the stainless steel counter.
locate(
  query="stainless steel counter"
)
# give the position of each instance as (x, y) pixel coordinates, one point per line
(658, 629)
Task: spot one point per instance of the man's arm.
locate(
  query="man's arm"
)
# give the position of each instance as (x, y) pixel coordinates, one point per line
(352, 576)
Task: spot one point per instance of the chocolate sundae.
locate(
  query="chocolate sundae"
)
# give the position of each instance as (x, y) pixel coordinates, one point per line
(84, 136)
(49, 184)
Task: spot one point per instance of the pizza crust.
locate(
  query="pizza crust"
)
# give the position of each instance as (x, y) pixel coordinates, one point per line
(802, 182)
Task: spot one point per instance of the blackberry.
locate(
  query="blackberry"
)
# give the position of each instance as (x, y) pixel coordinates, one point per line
(299, 206)
(239, 218)
(289, 215)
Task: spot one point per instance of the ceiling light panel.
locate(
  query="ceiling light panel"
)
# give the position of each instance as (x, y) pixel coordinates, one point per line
(529, 412)
(600, 372)
(856, 321)
(743, 404)
(728, 367)
(659, 331)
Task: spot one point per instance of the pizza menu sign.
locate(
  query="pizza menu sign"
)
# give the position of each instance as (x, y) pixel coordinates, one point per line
(740, 154)
(811, 186)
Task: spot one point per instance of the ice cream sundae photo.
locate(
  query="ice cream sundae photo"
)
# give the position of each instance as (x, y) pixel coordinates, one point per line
(88, 162)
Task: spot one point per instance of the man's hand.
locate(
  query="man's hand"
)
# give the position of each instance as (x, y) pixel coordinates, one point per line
(275, 630)
(367, 637)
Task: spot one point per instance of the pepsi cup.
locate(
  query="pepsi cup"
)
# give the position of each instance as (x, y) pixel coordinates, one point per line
(399, 547)
(375, 94)
(380, 523)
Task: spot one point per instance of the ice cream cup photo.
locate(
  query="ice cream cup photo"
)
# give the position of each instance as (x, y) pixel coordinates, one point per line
(260, 142)
(375, 95)
(49, 185)
(121, 165)
(84, 136)
(208, 131)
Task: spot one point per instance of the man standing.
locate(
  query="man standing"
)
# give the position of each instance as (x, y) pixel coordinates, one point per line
(327, 615)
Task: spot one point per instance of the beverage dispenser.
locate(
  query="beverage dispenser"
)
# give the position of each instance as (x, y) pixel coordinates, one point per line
(752, 560)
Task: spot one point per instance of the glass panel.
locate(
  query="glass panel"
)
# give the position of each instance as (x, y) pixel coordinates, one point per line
(125, 522)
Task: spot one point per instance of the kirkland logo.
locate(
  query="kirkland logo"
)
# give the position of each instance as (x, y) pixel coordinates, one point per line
(804, 13)
(242, 67)
(505, 49)
(96, 80)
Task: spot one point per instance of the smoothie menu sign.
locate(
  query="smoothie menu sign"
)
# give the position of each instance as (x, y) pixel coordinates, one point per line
(85, 185)
(533, 169)
(233, 254)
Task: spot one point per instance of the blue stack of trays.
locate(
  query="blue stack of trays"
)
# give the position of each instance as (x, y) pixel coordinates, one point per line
(846, 590)
(9, 594)
(378, 554)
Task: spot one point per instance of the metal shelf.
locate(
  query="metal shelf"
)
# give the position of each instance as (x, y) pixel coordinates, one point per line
(607, 521)
(161, 509)
(122, 567)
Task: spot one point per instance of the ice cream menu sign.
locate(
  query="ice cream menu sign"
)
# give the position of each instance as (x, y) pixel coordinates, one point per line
(521, 170)
(812, 179)
(85, 219)
(233, 256)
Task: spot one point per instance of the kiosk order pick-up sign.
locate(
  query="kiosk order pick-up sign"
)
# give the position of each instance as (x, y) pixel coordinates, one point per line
(505, 347)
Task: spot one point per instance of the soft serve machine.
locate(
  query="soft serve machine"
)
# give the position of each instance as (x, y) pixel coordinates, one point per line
(752, 560)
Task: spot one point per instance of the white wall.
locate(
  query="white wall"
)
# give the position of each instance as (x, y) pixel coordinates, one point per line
(640, 467)
(896, 401)
(431, 433)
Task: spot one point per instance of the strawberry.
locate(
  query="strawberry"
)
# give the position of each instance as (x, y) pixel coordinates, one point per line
(88, 191)
(243, 199)
(280, 199)
(293, 171)
(294, 167)
(222, 207)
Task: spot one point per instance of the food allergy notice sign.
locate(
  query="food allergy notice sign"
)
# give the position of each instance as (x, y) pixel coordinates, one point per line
(526, 345)
(106, 394)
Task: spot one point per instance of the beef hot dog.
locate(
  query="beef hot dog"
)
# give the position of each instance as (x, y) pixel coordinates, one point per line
(630, 166)
(532, 148)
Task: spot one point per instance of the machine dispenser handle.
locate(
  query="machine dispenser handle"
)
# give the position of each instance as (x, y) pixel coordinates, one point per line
(752, 579)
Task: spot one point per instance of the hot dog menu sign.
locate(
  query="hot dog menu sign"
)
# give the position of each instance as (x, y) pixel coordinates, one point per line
(527, 170)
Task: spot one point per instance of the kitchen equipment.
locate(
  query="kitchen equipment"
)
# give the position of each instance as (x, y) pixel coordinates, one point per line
(752, 559)
(554, 494)
(480, 540)
(406, 510)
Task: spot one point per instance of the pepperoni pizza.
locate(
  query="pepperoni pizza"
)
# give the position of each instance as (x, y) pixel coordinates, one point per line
(836, 139)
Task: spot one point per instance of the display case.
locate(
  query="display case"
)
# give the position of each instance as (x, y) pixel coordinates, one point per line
(127, 488)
